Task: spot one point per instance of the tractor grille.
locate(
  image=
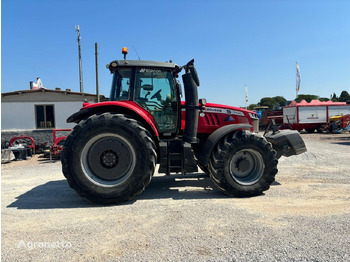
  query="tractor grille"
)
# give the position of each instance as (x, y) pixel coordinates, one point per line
(211, 119)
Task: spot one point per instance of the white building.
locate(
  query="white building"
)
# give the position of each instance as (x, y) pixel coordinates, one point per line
(40, 109)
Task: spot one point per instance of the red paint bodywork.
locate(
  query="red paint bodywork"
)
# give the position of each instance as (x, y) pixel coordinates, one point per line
(211, 121)
(207, 124)
(345, 121)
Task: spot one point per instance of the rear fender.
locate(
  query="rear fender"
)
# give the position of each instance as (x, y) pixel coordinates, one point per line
(117, 107)
(214, 138)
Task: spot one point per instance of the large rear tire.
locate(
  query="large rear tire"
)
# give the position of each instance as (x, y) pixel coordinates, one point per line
(243, 164)
(109, 158)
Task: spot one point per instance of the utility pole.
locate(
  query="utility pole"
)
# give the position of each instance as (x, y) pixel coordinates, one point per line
(96, 63)
(77, 29)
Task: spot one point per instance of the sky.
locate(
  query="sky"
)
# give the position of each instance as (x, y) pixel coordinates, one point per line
(234, 43)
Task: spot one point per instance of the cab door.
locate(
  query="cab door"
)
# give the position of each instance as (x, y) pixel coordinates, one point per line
(155, 91)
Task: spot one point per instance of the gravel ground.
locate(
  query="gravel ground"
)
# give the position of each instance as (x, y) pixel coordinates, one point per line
(305, 216)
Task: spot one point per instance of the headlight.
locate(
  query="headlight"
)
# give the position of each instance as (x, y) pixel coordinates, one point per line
(254, 116)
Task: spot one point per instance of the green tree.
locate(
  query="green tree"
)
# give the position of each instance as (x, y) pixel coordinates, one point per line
(272, 102)
(308, 98)
(334, 98)
(279, 101)
(266, 101)
(252, 106)
(344, 96)
(323, 99)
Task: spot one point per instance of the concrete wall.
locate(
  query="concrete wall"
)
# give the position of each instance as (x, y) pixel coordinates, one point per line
(39, 136)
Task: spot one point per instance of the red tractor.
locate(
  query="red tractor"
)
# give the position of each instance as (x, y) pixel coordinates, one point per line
(111, 154)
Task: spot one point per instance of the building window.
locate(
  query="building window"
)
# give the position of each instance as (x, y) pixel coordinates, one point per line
(45, 117)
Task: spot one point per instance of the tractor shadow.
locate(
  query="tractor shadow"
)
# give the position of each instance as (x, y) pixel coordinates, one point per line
(57, 194)
(51, 195)
(343, 141)
(178, 187)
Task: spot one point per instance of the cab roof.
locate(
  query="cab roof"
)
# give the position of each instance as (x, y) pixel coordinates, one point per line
(112, 66)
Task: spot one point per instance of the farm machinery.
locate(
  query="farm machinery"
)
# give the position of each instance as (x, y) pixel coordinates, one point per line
(54, 151)
(111, 154)
(337, 124)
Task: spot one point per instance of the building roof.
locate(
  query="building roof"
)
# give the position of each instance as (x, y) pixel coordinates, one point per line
(46, 95)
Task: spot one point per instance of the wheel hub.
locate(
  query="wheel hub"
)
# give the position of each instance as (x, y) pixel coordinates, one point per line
(108, 159)
(246, 166)
(243, 165)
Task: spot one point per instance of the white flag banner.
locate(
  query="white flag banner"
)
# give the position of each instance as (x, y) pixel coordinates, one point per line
(246, 94)
(298, 77)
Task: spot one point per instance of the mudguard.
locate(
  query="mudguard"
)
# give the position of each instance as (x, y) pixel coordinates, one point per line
(118, 107)
(286, 142)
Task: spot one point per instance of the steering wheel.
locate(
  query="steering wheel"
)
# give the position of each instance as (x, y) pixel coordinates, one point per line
(155, 104)
(157, 95)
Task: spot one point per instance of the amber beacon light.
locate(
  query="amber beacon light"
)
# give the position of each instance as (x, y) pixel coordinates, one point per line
(124, 52)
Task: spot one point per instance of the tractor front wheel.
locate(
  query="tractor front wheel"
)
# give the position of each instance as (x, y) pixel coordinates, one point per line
(109, 158)
(243, 164)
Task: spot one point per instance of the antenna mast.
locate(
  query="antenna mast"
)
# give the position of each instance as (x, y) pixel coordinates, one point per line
(77, 29)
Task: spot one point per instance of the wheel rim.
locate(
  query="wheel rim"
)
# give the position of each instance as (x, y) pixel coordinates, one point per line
(247, 167)
(108, 159)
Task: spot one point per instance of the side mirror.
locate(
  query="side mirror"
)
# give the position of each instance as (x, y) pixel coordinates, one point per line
(179, 87)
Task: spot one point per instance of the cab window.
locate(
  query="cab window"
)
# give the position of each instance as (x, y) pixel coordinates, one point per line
(120, 85)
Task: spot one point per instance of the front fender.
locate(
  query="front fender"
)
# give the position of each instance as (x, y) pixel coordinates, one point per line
(214, 138)
(130, 109)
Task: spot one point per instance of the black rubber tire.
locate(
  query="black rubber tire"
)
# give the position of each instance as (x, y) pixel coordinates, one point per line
(109, 158)
(243, 164)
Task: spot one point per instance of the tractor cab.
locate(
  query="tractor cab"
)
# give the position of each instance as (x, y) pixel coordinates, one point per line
(152, 86)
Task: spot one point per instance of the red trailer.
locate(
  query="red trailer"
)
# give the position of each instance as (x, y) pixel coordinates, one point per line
(312, 116)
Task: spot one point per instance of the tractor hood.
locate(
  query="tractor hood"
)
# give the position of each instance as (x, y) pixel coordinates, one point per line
(215, 116)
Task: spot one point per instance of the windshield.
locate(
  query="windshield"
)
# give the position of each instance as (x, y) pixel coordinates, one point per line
(120, 85)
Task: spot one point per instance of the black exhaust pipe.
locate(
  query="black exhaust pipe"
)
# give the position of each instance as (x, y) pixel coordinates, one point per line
(191, 83)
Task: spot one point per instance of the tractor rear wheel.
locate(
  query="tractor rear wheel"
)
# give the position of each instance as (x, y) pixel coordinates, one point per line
(109, 158)
(243, 164)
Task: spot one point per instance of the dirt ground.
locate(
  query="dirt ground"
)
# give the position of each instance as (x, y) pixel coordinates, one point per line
(304, 216)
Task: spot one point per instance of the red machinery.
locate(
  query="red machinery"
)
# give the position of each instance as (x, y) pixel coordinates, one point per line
(58, 142)
(345, 121)
(30, 144)
(337, 124)
(268, 115)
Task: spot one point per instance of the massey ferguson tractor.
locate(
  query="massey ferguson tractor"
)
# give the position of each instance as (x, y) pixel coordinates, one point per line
(111, 154)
